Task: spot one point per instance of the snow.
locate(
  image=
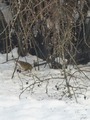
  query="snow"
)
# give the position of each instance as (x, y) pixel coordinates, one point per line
(34, 103)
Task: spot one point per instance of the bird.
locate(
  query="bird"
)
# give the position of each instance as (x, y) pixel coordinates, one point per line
(24, 65)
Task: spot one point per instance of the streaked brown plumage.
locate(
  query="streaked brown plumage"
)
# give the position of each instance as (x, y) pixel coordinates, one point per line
(24, 65)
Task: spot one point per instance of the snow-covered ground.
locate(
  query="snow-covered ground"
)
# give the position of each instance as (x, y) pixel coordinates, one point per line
(41, 95)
